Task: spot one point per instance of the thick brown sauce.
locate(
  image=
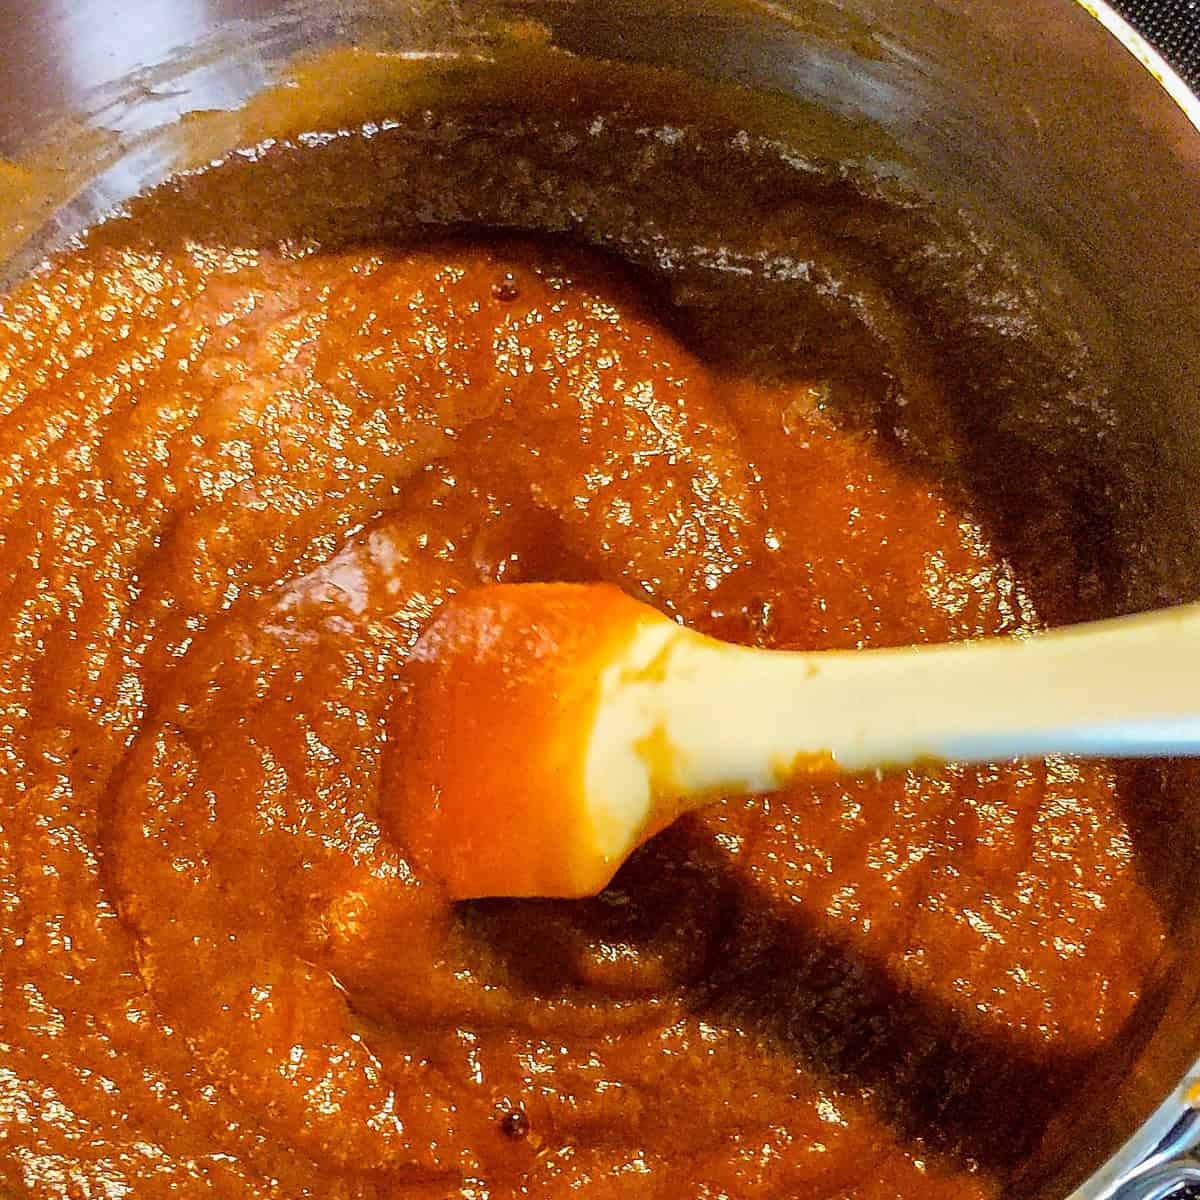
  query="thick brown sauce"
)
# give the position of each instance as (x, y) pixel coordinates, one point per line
(234, 484)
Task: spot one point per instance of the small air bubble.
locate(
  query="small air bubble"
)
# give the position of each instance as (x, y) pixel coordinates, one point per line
(760, 614)
(806, 403)
(505, 288)
(514, 1124)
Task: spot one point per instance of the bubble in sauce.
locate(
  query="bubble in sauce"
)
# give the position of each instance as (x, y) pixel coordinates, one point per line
(506, 288)
(807, 402)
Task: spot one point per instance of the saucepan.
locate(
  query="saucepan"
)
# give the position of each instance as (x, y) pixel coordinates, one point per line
(1050, 116)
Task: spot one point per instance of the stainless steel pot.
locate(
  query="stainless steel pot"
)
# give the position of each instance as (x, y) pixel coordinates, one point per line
(1050, 114)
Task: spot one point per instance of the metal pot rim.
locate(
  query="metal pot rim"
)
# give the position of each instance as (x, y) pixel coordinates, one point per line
(1164, 74)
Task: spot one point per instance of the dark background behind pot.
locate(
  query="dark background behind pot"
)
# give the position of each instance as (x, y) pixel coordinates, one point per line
(1174, 28)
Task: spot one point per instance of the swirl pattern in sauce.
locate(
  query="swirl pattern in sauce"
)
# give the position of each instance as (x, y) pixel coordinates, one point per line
(235, 487)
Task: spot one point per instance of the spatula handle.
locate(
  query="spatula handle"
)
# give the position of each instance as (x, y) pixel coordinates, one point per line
(1127, 687)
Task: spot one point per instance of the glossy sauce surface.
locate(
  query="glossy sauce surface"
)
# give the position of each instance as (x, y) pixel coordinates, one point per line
(235, 486)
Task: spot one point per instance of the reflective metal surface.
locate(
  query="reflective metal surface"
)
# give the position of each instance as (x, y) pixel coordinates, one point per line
(1170, 1168)
(1033, 111)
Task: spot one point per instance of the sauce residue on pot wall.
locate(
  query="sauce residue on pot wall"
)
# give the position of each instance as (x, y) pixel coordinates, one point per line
(254, 433)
